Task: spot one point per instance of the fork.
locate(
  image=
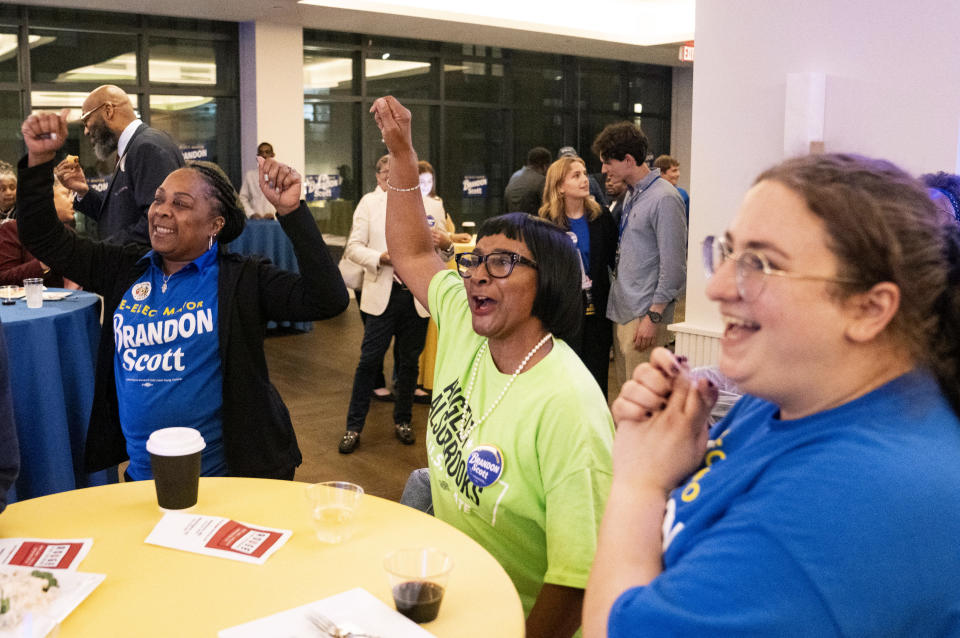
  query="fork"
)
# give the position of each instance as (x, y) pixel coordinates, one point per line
(330, 628)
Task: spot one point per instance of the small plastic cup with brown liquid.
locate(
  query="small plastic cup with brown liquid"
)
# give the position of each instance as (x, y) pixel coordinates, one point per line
(175, 459)
(418, 579)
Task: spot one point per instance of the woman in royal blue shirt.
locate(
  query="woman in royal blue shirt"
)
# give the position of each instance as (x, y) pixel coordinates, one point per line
(184, 341)
(825, 503)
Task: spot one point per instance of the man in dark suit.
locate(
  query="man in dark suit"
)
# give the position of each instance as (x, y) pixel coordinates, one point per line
(145, 156)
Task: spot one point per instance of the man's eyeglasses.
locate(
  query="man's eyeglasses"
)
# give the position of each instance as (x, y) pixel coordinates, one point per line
(84, 116)
(752, 267)
(499, 264)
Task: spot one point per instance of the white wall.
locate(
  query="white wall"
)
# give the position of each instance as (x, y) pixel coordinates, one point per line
(681, 120)
(271, 92)
(892, 91)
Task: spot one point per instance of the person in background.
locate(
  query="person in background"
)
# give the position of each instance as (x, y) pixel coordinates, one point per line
(145, 156)
(616, 193)
(16, 262)
(182, 344)
(255, 203)
(567, 203)
(651, 268)
(511, 398)
(825, 502)
(428, 186)
(392, 313)
(670, 171)
(9, 446)
(8, 192)
(524, 192)
(944, 190)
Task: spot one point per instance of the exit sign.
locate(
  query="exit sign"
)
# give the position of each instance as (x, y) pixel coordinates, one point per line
(686, 52)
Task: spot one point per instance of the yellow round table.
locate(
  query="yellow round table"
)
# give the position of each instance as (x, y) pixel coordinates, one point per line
(155, 591)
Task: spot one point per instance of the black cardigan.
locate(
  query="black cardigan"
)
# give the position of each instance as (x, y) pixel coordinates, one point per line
(258, 435)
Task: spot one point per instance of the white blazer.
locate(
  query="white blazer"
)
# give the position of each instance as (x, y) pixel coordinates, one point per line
(368, 241)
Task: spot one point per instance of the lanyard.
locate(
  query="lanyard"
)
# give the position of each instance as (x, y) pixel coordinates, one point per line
(627, 211)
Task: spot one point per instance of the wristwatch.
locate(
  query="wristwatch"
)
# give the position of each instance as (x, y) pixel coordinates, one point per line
(655, 317)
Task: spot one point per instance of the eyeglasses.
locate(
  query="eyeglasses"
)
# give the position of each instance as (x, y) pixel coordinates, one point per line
(84, 116)
(499, 264)
(752, 268)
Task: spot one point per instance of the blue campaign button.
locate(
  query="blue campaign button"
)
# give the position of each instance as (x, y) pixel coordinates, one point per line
(485, 465)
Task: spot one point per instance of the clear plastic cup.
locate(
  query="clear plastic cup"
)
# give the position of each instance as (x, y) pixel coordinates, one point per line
(33, 288)
(418, 579)
(333, 505)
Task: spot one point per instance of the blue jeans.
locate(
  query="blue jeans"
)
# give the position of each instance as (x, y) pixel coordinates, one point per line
(401, 321)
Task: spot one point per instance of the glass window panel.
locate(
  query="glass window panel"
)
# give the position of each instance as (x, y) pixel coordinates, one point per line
(598, 89)
(203, 126)
(187, 61)
(657, 130)
(422, 121)
(10, 119)
(189, 24)
(9, 55)
(536, 79)
(74, 56)
(401, 44)
(472, 151)
(403, 78)
(81, 18)
(652, 92)
(327, 72)
(473, 81)
(329, 137)
(535, 128)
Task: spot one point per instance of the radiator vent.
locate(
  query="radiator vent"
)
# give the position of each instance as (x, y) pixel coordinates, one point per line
(701, 347)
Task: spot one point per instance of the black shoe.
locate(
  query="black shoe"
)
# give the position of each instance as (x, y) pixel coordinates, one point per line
(349, 442)
(423, 399)
(404, 433)
(386, 398)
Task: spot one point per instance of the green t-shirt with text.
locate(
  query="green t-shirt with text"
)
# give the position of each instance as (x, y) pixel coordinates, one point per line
(555, 432)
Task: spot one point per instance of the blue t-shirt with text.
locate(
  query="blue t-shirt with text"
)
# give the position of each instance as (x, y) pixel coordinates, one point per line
(167, 362)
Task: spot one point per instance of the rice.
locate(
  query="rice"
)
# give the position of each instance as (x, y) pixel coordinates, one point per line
(22, 591)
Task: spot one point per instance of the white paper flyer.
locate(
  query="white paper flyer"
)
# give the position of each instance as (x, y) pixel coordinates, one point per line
(217, 536)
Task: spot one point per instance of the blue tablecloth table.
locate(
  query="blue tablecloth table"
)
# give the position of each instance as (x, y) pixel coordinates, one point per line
(52, 354)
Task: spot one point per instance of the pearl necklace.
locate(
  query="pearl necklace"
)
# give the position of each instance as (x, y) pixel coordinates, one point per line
(463, 434)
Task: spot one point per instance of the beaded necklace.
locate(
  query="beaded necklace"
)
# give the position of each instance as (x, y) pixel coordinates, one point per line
(463, 434)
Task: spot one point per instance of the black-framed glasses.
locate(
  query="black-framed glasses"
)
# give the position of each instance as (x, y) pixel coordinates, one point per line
(84, 116)
(499, 263)
(752, 267)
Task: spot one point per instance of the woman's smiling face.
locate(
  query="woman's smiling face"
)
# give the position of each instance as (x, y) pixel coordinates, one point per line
(182, 217)
(782, 342)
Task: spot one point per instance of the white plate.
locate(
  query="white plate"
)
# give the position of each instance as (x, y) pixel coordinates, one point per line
(74, 588)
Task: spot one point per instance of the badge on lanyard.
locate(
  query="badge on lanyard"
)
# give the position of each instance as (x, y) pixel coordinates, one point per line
(485, 465)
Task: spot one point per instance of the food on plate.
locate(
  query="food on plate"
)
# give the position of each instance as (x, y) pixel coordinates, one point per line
(22, 591)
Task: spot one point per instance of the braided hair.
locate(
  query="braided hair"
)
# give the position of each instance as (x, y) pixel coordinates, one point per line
(224, 194)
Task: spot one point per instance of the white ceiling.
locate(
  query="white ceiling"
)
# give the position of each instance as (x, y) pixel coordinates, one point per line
(612, 29)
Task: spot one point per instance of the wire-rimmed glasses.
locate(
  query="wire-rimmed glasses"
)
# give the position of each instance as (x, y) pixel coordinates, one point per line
(752, 267)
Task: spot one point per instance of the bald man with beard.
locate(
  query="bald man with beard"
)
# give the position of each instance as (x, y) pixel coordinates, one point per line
(145, 156)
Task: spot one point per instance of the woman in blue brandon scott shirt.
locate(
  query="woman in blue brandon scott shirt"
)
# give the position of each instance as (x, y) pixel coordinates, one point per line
(825, 503)
(184, 342)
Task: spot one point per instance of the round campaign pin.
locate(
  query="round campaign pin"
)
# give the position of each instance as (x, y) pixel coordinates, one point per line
(141, 291)
(485, 465)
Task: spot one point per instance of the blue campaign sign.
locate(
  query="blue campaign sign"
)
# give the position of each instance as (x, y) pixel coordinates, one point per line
(474, 185)
(194, 152)
(320, 187)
